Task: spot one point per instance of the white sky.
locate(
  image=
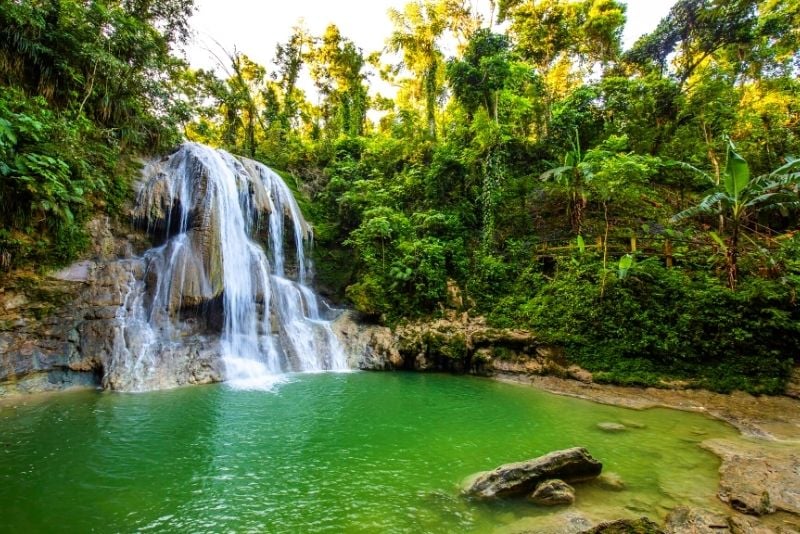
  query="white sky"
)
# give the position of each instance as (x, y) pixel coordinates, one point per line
(254, 27)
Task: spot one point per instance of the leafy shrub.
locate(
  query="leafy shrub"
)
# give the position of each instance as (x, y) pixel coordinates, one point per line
(667, 324)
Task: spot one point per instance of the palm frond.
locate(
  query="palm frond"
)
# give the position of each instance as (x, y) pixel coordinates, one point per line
(554, 173)
(783, 180)
(790, 163)
(782, 206)
(688, 167)
(761, 199)
(711, 202)
(708, 205)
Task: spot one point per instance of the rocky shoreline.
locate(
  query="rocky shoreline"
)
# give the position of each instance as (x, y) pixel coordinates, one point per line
(759, 474)
(767, 418)
(55, 337)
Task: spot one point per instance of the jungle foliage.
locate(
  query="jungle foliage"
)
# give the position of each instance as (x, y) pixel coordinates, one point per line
(637, 206)
(84, 90)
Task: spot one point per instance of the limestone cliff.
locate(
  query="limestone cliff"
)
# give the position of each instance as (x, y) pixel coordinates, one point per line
(455, 343)
(59, 330)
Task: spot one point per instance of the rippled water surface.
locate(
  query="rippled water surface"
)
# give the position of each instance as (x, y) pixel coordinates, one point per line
(356, 452)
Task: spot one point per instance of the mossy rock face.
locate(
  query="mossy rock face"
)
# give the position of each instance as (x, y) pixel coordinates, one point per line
(460, 343)
(448, 345)
(504, 353)
(33, 297)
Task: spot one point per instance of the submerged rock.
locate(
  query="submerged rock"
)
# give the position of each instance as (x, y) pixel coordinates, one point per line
(611, 481)
(684, 520)
(642, 525)
(611, 427)
(565, 522)
(569, 465)
(552, 493)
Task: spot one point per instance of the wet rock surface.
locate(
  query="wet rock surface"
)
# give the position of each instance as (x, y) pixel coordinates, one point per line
(367, 346)
(685, 520)
(553, 493)
(63, 331)
(519, 478)
(626, 526)
(39, 335)
(758, 479)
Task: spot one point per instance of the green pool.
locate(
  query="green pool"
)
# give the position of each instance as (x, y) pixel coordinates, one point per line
(358, 452)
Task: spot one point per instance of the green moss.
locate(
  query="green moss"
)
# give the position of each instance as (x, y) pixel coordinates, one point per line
(503, 353)
(451, 346)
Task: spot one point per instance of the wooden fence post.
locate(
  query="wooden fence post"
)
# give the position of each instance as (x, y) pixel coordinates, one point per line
(633, 243)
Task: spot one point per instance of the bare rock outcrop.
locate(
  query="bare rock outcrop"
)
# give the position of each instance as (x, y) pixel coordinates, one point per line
(64, 330)
(367, 346)
(685, 520)
(758, 478)
(793, 385)
(456, 343)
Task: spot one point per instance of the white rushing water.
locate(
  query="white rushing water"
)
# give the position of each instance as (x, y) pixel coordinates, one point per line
(215, 211)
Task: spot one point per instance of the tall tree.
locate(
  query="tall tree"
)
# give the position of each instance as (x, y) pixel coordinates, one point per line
(693, 31)
(337, 68)
(482, 72)
(558, 35)
(289, 60)
(417, 34)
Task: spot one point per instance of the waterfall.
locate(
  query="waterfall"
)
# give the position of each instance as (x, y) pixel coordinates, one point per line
(211, 279)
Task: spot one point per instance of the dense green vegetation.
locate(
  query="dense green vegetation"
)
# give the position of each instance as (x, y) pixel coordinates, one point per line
(84, 90)
(637, 206)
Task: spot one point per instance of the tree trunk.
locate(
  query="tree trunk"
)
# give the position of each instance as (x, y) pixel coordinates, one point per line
(577, 203)
(251, 132)
(430, 99)
(605, 250)
(732, 257)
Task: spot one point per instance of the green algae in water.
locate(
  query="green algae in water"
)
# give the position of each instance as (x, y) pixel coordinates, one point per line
(357, 452)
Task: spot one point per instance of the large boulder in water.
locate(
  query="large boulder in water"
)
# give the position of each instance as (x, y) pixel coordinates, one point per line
(569, 465)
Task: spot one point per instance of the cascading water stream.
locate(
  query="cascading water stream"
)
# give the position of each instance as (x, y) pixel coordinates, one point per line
(211, 278)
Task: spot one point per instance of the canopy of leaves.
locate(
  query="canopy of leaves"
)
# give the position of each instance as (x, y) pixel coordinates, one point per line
(440, 183)
(84, 87)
